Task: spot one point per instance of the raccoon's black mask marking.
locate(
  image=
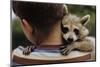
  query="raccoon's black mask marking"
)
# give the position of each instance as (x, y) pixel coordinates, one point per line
(64, 29)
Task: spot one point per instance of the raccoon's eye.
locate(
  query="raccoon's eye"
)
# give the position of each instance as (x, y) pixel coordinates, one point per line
(76, 31)
(65, 30)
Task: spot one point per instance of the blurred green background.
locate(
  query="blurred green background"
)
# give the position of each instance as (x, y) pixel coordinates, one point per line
(80, 10)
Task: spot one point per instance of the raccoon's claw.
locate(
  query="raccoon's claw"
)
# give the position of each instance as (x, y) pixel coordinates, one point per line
(66, 50)
(28, 50)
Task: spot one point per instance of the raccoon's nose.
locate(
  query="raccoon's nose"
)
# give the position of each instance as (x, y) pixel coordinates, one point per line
(70, 40)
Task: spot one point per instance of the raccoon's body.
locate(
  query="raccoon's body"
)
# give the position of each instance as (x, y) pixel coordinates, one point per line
(75, 34)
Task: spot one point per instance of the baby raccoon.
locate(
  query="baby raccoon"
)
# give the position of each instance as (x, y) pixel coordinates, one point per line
(75, 33)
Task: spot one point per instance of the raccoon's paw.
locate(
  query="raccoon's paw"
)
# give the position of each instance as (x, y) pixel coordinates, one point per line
(66, 50)
(28, 50)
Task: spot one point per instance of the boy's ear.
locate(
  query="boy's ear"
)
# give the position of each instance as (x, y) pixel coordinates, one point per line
(65, 9)
(26, 25)
(85, 19)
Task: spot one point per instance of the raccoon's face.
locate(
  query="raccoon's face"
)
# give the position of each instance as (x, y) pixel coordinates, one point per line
(73, 27)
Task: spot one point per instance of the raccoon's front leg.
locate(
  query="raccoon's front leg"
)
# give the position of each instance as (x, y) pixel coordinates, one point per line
(28, 50)
(87, 44)
(67, 49)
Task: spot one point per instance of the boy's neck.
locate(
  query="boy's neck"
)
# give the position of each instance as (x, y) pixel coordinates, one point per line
(53, 36)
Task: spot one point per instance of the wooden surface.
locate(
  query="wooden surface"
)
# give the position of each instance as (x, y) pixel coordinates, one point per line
(47, 58)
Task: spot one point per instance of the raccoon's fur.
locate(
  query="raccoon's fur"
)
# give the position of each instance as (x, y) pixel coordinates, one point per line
(75, 34)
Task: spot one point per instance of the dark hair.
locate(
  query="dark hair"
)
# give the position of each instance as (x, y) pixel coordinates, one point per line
(38, 13)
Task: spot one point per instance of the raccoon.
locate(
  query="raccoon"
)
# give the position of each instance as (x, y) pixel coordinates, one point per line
(75, 34)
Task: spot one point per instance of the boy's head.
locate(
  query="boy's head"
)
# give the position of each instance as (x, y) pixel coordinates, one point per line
(73, 27)
(37, 15)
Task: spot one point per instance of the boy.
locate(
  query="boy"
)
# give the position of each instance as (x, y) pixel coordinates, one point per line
(41, 23)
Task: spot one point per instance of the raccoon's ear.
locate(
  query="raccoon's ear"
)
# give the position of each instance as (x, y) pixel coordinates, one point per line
(65, 9)
(85, 19)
